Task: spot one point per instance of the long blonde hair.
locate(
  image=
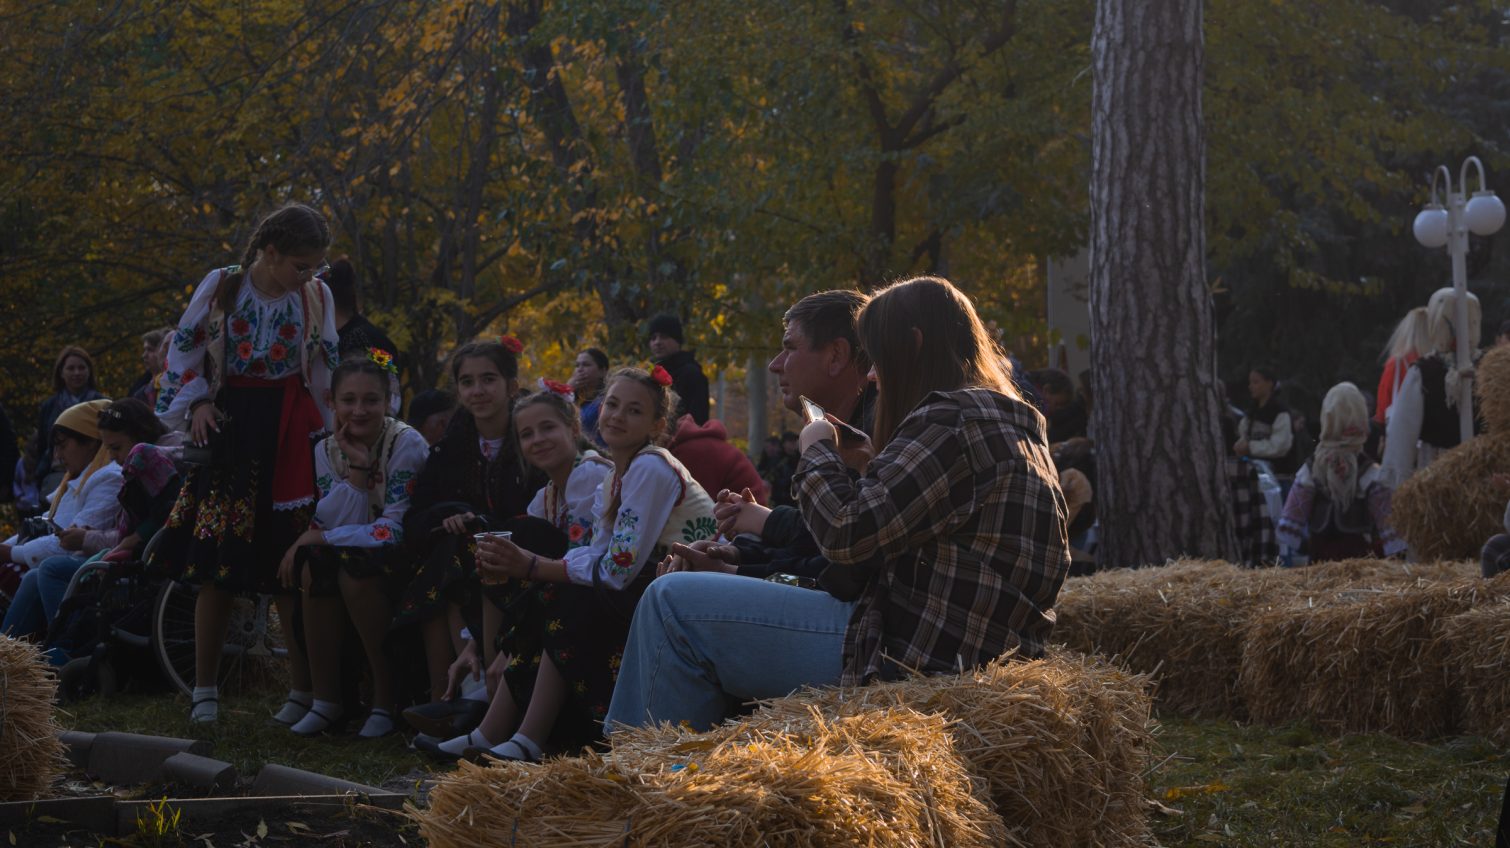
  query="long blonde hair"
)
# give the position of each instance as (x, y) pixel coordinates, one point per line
(1411, 336)
(1441, 314)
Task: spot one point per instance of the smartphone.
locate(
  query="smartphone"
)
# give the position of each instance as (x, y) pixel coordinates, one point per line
(813, 412)
(810, 411)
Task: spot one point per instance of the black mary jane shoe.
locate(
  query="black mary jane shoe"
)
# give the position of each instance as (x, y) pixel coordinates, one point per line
(445, 719)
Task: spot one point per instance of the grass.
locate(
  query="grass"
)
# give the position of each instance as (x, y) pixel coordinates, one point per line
(1223, 784)
(1267, 786)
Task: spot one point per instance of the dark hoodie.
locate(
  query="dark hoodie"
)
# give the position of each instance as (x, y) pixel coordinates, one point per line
(689, 383)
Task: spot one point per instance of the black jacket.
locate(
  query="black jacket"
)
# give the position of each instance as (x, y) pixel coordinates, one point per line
(456, 476)
(9, 453)
(690, 385)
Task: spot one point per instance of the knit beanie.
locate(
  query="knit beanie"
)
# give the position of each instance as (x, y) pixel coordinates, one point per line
(667, 325)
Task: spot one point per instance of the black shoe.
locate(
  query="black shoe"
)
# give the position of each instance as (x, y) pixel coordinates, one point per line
(445, 719)
(487, 756)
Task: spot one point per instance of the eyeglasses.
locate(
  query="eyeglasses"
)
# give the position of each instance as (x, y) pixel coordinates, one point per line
(311, 273)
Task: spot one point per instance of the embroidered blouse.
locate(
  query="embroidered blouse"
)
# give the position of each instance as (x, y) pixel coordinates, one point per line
(659, 503)
(352, 517)
(1298, 519)
(263, 339)
(572, 511)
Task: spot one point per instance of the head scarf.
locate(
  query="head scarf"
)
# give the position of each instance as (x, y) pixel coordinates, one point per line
(1344, 428)
(84, 419)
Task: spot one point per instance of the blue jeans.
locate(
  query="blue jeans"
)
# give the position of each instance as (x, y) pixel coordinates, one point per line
(39, 596)
(699, 637)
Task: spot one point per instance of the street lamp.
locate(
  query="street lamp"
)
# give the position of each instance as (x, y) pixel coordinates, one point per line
(1437, 225)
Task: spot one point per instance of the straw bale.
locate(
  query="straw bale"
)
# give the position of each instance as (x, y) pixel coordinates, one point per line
(1476, 644)
(1449, 509)
(1358, 659)
(31, 755)
(1182, 623)
(1057, 746)
(1492, 385)
(882, 778)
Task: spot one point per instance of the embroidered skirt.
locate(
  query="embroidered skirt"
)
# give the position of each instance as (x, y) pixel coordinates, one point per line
(223, 529)
(326, 564)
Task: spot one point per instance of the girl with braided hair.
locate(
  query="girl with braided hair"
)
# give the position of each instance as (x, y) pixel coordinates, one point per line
(248, 377)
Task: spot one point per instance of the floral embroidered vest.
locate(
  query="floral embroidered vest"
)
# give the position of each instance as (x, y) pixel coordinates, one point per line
(311, 297)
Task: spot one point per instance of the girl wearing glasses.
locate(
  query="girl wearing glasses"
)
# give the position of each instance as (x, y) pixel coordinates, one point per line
(248, 378)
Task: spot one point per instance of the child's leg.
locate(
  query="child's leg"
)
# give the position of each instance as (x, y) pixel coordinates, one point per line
(298, 662)
(545, 707)
(438, 653)
(370, 613)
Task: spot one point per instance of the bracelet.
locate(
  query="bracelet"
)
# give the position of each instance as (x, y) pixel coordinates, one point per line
(534, 561)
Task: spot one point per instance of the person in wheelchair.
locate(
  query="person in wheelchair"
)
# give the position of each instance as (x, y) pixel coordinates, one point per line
(39, 561)
(351, 555)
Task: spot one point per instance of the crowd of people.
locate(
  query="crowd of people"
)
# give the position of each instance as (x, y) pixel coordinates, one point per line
(572, 556)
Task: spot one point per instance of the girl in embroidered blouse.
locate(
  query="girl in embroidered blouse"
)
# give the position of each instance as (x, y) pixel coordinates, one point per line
(648, 502)
(472, 481)
(248, 374)
(345, 562)
(550, 435)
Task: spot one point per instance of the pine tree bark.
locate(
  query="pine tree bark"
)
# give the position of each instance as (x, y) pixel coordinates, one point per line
(1162, 489)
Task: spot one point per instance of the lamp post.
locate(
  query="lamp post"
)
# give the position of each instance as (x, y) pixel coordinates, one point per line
(1437, 225)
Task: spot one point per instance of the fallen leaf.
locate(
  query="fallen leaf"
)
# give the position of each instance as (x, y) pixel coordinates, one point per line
(261, 829)
(297, 826)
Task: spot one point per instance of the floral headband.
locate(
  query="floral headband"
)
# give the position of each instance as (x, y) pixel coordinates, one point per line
(661, 375)
(511, 344)
(382, 359)
(557, 388)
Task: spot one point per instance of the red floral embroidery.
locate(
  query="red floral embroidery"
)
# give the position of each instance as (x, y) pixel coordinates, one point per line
(259, 368)
(576, 532)
(240, 327)
(198, 336)
(277, 352)
(623, 559)
(382, 533)
(287, 332)
(244, 350)
(189, 375)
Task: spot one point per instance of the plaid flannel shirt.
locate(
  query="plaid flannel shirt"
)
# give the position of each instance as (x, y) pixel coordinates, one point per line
(964, 506)
(1256, 542)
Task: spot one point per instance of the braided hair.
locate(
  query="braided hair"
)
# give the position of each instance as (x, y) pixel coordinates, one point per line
(294, 229)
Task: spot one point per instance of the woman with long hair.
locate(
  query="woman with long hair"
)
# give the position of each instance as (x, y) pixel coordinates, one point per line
(73, 383)
(958, 506)
(1338, 502)
(1410, 341)
(247, 379)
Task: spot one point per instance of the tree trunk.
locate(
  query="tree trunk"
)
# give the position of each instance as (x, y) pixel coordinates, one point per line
(1163, 491)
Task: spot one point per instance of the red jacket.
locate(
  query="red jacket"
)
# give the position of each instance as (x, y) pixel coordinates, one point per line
(713, 462)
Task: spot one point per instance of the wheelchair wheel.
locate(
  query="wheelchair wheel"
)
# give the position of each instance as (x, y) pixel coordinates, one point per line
(173, 638)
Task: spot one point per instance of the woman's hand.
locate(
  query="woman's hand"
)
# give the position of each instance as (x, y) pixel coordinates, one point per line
(457, 524)
(856, 452)
(206, 419)
(357, 454)
(1241, 447)
(286, 567)
(702, 555)
(464, 666)
(72, 539)
(739, 513)
(816, 432)
(498, 559)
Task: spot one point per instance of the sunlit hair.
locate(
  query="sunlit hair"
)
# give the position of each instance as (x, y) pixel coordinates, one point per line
(1411, 336)
(956, 351)
(829, 315)
(294, 230)
(360, 364)
(1442, 314)
(506, 362)
(663, 400)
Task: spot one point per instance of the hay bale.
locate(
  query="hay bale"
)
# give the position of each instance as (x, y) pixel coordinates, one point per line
(1057, 746)
(31, 754)
(1492, 386)
(1181, 623)
(1449, 509)
(1475, 644)
(1358, 659)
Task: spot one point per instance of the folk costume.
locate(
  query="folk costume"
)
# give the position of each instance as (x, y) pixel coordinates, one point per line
(266, 366)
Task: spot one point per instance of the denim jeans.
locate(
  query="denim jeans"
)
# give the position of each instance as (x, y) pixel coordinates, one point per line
(699, 637)
(39, 596)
